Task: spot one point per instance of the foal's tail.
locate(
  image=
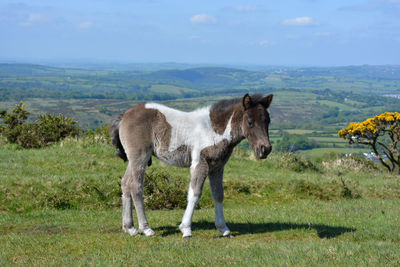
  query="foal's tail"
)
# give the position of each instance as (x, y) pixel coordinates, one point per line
(115, 140)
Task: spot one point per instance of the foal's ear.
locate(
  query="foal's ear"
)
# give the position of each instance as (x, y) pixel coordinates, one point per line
(247, 102)
(266, 101)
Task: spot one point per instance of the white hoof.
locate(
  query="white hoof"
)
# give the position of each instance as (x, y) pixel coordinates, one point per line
(225, 231)
(227, 234)
(186, 231)
(148, 232)
(131, 231)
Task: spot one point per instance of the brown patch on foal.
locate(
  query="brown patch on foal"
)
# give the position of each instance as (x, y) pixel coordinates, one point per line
(136, 125)
(220, 113)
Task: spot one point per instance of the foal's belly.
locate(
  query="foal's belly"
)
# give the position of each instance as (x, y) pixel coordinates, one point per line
(181, 157)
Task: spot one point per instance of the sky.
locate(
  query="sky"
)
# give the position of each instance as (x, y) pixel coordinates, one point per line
(250, 32)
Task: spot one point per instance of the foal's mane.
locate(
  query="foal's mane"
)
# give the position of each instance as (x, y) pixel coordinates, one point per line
(228, 104)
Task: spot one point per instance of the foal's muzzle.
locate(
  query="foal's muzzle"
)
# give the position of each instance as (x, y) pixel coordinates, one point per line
(263, 151)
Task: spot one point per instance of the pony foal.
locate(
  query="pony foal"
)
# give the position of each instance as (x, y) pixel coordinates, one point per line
(202, 140)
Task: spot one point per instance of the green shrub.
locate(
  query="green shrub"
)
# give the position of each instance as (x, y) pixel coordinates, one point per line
(101, 135)
(294, 162)
(162, 191)
(349, 164)
(47, 129)
(28, 136)
(13, 122)
(294, 142)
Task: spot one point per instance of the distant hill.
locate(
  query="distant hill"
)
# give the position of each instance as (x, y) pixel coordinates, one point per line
(27, 80)
(389, 72)
(209, 78)
(28, 70)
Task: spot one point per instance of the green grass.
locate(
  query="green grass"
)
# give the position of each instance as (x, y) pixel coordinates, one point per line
(304, 233)
(61, 206)
(298, 131)
(335, 104)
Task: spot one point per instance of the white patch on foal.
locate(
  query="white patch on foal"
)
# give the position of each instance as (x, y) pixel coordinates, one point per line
(220, 220)
(185, 226)
(193, 129)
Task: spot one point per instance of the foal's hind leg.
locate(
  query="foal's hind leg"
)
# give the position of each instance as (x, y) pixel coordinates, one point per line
(136, 188)
(132, 188)
(127, 219)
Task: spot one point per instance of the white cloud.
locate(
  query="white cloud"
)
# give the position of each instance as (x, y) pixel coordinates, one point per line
(322, 34)
(300, 21)
(266, 43)
(194, 37)
(34, 18)
(237, 22)
(293, 36)
(202, 19)
(83, 26)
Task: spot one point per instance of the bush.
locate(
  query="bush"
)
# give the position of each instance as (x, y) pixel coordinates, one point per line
(13, 122)
(100, 135)
(162, 191)
(349, 164)
(47, 129)
(381, 133)
(295, 163)
(294, 142)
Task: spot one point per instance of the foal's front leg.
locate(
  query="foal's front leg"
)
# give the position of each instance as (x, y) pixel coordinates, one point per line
(198, 175)
(217, 191)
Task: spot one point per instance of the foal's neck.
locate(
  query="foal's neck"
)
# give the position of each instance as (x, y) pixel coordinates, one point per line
(220, 117)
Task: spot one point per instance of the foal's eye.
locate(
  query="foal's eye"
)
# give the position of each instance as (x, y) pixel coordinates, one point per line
(250, 123)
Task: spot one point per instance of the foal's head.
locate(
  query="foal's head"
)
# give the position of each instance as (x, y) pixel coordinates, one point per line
(255, 123)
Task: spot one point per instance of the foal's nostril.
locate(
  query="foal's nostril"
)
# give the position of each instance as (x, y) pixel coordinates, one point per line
(265, 150)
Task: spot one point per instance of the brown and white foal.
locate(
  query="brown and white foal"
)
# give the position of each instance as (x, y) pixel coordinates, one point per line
(202, 140)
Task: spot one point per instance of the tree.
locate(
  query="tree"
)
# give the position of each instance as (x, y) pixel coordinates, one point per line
(381, 133)
(294, 142)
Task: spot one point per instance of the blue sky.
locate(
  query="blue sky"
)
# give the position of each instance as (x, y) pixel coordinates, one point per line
(285, 32)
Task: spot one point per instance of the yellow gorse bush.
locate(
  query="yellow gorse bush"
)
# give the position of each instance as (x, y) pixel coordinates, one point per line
(372, 132)
(372, 126)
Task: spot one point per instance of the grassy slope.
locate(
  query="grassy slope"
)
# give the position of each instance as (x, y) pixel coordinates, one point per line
(279, 216)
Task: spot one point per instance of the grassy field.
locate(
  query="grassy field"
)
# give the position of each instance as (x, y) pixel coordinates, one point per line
(60, 206)
(303, 233)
